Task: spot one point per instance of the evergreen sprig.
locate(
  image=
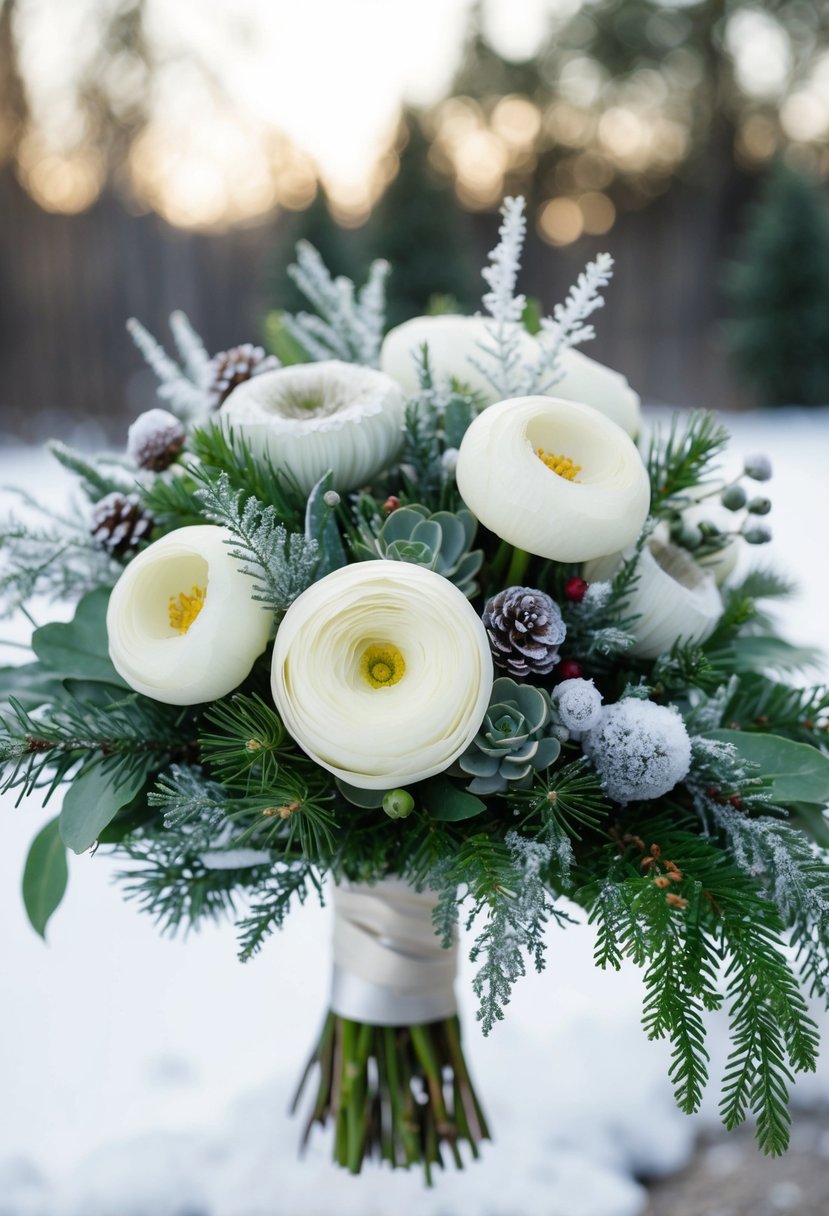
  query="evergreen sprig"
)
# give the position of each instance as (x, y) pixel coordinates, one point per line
(685, 458)
(347, 324)
(282, 565)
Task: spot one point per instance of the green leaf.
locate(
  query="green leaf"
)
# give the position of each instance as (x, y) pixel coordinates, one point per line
(45, 876)
(321, 526)
(30, 684)
(797, 772)
(446, 803)
(760, 653)
(94, 799)
(367, 800)
(79, 648)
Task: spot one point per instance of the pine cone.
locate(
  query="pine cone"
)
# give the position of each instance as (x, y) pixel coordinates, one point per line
(155, 439)
(119, 523)
(234, 366)
(525, 631)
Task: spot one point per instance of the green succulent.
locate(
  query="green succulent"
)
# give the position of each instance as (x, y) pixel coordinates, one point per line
(515, 739)
(441, 542)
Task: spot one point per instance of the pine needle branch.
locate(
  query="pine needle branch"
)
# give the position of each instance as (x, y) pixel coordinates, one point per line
(282, 565)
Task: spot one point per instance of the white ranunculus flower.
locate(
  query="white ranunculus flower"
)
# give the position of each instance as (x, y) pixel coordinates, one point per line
(455, 344)
(673, 598)
(382, 673)
(181, 622)
(318, 416)
(593, 383)
(556, 478)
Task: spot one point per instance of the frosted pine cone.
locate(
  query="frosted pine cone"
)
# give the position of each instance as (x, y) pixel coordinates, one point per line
(155, 439)
(119, 523)
(234, 366)
(525, 631)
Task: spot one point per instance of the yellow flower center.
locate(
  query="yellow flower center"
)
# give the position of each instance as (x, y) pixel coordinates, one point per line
(382, 665)
(562, 465)
(184, 608)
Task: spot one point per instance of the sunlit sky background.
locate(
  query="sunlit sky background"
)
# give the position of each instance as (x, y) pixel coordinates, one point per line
(315, 87)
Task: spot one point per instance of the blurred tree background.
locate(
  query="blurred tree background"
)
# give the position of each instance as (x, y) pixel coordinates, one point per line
(140, 172)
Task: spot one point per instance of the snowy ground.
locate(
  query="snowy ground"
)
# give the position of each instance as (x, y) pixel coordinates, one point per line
(146, 1077)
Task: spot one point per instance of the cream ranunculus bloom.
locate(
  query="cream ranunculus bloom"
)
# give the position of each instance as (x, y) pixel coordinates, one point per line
(455, 345)
(674, 598)
(318, 416)
(554, 477)
(382, 673)
(181, 622)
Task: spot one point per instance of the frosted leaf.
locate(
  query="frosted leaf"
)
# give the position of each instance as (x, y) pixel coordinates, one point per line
(579, 704)
(640, 750)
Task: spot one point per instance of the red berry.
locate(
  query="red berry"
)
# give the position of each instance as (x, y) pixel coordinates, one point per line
(574, 589)
(391, 503)
(736, 801)
(570, 670)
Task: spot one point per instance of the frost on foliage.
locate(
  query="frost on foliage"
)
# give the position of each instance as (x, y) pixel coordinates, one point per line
(184, 389)
(283, 565)
(515, 928)
(346, 324)
(578, 704)
(639, 749)
(503, 364)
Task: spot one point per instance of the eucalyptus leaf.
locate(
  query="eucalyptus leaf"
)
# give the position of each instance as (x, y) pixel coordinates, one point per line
(321, 526)
(797, 772)
(368, 800)
(447, 803)
(45, 876)
(29, 684)
(93, 800)
(79, 648)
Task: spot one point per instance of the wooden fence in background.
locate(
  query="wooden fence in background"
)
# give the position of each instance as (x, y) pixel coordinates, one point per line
(68, 283)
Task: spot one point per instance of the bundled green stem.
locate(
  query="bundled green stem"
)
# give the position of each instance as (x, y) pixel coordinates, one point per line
(402, 1094)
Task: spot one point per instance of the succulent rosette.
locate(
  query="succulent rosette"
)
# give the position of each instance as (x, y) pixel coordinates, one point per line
(313, 417)
(295, 588)
(181, 624)
(555, 478)
(381, 672)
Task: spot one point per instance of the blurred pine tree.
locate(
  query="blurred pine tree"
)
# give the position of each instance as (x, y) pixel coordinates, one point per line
(420, 229)
(778, 290)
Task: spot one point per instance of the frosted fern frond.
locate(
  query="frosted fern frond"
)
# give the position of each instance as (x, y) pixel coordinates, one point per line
(198, 364)
(283, 565)
(182, 394)
(348, 324)
(57, 559)
(504, 364)
(567, 327)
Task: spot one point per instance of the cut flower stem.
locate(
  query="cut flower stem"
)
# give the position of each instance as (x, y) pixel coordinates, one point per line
(401, 1094)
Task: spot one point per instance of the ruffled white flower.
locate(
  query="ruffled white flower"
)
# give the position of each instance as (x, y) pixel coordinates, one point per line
(319, 416)
(382, 673)
(456, 350)
(640, 750)
(593, 383)
(181, 623)
(673, 598)
(578, 704)
(553, 477)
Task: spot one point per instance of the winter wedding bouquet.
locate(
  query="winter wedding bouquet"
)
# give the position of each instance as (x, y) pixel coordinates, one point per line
(416, 616)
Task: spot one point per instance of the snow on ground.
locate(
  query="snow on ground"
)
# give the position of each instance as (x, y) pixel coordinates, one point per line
(146, 1077)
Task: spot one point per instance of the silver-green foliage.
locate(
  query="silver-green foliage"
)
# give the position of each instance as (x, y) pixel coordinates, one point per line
(515, 739)
(439, 541)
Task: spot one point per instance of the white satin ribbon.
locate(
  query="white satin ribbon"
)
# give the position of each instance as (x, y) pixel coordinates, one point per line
(389, 966)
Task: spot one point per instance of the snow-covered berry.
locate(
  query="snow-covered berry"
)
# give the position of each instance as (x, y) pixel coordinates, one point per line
(758, 467)
(733, 497)
(756, 534)
(639, 749)
(579, 704)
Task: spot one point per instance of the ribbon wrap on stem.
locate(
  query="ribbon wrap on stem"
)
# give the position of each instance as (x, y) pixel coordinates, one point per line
(390, 968)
